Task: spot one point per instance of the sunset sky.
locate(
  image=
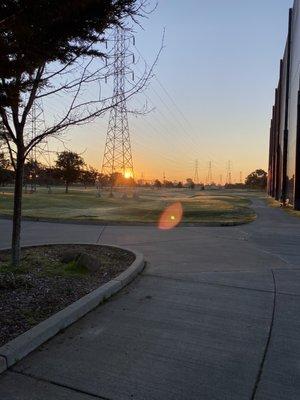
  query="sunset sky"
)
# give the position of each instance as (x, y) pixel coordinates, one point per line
(213, 94)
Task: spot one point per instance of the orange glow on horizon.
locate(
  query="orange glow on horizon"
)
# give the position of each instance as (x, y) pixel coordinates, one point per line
(128, 175)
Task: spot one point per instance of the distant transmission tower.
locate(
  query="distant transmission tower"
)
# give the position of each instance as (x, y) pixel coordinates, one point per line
(196, 176)
(117, 154)
(209, 175)
(40, 153)
(34, 122)
(229, 173)
(32, 156)
(241, 177)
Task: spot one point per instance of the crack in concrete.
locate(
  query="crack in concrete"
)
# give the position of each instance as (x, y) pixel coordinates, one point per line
(101, 233)
(262, 364)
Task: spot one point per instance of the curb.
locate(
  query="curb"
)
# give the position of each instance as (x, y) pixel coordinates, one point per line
(126, 223)
(21, 346)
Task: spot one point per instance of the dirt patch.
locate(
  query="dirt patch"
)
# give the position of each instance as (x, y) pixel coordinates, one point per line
(44, 285)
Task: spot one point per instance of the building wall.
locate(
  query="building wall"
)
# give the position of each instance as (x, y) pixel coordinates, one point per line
(282, 111)
(293, 101)
(284, 171)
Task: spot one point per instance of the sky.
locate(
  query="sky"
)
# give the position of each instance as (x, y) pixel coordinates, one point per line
(212, 94)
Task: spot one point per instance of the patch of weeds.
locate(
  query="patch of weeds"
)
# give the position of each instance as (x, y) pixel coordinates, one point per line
(73, 269)
(65, 270)
(7, 268)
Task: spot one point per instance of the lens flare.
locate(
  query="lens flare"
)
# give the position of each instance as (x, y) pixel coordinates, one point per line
(171, 217)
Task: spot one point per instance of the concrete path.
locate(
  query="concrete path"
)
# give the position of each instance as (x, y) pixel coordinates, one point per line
(215, 316)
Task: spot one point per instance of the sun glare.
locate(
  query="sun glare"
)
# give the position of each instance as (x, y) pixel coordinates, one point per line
(127, 175)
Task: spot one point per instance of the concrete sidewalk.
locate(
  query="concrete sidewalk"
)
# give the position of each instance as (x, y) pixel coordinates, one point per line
(215, 315)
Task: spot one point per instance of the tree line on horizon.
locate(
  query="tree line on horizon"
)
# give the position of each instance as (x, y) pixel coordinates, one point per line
(70, 168)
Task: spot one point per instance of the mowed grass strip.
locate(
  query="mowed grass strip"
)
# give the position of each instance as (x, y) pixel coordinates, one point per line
(83, 205)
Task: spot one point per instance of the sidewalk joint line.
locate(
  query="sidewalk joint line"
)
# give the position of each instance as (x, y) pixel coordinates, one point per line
(196, 239)
(58, 384)
(206, 283)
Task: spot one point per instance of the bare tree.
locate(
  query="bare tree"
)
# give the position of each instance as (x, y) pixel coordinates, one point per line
(55, 53)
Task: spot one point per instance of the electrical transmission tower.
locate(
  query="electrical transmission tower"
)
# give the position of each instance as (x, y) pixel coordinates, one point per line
(209, 175)
(32, 156)
(33, 152)
(229, 173)
(196, 176)
(241, 177)
(117, 154)
(40, 153)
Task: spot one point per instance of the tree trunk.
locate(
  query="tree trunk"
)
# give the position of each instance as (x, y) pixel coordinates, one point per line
(17, 216)
(67, 187)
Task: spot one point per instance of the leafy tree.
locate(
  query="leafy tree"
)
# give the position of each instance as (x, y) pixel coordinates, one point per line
(69, 166)
(103, 180)
(257, 179)
(32, 171)
(190, 183)
(47, 177)
(157, 183)
(51, 48)
(89, 176)
(179, 185)
(169, 184)
(115, 179)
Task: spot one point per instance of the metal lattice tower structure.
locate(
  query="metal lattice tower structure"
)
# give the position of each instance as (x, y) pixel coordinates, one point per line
(33, 153)
(196, 175)
(117, 154)
(229, 173)
(40, 153)
(209, 175)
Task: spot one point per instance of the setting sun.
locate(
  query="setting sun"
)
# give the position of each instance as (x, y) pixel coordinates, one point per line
(127, 174)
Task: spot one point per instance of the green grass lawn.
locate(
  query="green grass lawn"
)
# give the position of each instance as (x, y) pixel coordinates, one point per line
(215, 207)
